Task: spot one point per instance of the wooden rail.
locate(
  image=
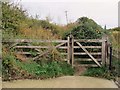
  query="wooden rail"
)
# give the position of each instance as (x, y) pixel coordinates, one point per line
(34, 40)
(88, 40)
(68, 46)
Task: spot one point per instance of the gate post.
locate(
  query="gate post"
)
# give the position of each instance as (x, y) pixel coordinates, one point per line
(103, 50)
(68, 50)
(71, 50)
(110, 62)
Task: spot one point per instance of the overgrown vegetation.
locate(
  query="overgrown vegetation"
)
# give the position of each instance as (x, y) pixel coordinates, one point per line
(86, 29)
(15, 69)
(114, 35)
(17, 24)
(102, 72)
(105, 72)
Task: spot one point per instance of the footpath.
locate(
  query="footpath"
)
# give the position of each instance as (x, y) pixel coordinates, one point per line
(62, 82)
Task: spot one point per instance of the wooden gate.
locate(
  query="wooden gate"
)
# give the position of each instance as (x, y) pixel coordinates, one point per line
(94, 54)
(37, 48)
(73, 50)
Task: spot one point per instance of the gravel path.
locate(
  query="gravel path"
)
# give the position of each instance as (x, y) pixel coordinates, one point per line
(62, 82)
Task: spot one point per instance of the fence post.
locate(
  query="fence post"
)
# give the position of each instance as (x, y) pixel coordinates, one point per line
(103, 51)
(71, 50)
(68, 50)
(106, 53)
(110, 64)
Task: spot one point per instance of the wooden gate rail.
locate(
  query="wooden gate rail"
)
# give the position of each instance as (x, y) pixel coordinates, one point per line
(89, 54)
(67, 45)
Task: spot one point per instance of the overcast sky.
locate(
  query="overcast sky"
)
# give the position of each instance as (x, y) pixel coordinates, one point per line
(104, 12)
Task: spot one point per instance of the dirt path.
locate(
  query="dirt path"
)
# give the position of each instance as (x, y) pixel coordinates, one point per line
(62, 82)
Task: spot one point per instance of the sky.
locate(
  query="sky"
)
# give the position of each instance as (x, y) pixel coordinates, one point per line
(104, 12)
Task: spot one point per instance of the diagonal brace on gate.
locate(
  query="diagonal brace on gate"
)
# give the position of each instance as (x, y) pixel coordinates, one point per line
(49, 50)
(89, 54)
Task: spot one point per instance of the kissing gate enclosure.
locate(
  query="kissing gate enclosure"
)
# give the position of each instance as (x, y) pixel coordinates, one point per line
(84, 52)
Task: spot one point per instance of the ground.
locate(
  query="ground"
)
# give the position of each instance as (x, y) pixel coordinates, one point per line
(62, 82)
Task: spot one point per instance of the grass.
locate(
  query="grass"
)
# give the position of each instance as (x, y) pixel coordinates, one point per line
(102, 72)
(13, 68)
(116, 66)
(47, 70)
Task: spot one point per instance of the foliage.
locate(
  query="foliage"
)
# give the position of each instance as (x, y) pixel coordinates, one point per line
(102, 72)
(13, 68)
(115, 29)
(16, 24)
(86, 29)
(12, 16)
(8, 66)
(114, 35)
(116, 66)
(46, 69)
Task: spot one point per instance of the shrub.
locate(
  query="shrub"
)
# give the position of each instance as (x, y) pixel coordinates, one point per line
(86, 29)
(12, 17)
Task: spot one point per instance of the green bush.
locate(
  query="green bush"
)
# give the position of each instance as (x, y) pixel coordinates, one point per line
(12, 16)
(86, 29)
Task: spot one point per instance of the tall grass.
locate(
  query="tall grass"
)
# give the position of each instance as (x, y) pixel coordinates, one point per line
(115, 37)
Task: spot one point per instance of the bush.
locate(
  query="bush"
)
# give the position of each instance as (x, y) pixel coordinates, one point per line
(12, 17)
(86, 29)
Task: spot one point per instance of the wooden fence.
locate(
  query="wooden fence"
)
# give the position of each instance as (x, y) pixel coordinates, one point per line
(72, 48)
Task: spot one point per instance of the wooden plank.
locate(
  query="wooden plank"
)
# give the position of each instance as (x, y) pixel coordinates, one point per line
(89, 54)
(88, 40)
(37, 49)
(89, 46)
(63, 47)
(86, 59)
(41, 54)
(32, 47)
(82, 53)
(25, 53)
(46, 47)
(59, 45)
(86, 65)
(13, 45)
(34, 40)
